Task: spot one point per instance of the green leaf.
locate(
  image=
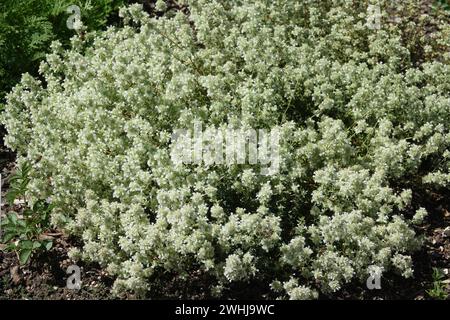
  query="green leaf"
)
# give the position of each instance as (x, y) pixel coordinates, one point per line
(36, 244)
(24, 256)
(4, 222)
(8, 237)
(26, 244)
(11, 196)
(21, 223)
(48, 244)
(10, 228)
(12, 218)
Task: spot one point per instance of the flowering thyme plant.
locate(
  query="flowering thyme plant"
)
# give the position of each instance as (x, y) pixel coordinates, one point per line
(362, 116)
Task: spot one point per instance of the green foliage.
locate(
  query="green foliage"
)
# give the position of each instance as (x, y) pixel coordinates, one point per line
(363, 119)
(18, 183)
(25, 33)
(442, 4)
(438, 291)
(23, 234)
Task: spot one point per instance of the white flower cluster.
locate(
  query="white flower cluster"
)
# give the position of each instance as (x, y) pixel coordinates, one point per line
(231, 146)
(360, 126)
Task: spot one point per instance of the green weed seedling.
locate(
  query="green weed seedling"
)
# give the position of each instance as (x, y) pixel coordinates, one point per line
(22, 232)
(438, 291)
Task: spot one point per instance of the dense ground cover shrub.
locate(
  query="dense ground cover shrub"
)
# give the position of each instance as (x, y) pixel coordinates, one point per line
(363, 115)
